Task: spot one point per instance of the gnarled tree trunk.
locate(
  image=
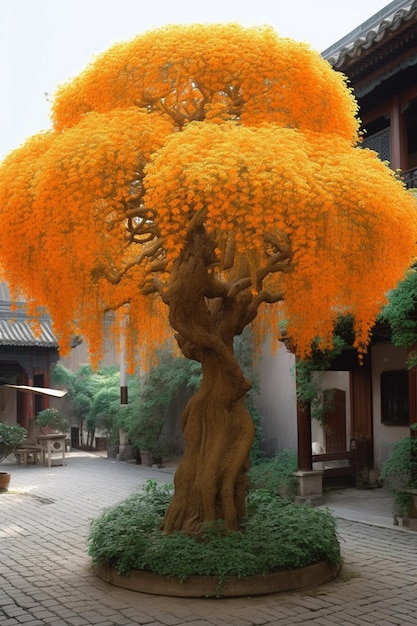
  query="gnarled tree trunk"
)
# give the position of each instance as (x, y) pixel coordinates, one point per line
(210, 482)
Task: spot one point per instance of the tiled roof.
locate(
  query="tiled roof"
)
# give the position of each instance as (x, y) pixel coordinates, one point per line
(380, 26)
(19, 333)
(15, 327)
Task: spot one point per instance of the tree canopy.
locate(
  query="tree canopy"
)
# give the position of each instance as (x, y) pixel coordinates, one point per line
(234, 129)
(198, 174)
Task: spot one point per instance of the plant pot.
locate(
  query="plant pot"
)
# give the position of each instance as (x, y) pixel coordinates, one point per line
(146, 458)
(412, 509)
(127, 452)
(4, 481)
(101, 444)
(112, 450)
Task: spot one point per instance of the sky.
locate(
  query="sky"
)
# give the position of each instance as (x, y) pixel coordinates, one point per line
(44, 43)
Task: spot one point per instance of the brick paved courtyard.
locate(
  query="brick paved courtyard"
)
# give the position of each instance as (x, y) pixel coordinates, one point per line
(45, 575)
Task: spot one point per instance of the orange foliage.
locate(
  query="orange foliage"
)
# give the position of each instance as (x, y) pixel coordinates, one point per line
(215, 71)
(251, 136)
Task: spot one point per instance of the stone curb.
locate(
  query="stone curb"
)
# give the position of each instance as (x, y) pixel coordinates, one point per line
(209, 586)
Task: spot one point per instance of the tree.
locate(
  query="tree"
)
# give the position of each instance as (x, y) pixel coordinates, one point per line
(205, 172)
(80, 393)
(400, 314)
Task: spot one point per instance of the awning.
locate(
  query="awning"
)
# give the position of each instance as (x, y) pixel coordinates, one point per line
(44, 391)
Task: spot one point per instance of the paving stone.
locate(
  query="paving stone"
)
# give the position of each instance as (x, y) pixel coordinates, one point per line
(45, 575)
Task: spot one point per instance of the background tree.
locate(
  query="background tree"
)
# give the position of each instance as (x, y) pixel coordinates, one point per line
(80, 394)
(205, 171)
(401, 315)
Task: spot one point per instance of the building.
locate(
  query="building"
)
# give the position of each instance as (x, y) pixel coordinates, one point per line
(27, 355)
(380, 60)
(374, 403)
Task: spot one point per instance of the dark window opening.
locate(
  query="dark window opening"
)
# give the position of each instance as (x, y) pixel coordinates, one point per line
(394, 398)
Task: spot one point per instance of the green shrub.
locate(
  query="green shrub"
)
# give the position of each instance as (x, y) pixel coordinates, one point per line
(276, 535)
(11, 437)
(51, 418)
(275, 475)
(400, 472)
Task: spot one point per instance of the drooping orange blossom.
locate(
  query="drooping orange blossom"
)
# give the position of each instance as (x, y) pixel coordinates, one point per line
(205, 172)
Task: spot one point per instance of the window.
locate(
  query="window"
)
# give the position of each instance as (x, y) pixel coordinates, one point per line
(377, 137)
(380, 143)
(394, 398)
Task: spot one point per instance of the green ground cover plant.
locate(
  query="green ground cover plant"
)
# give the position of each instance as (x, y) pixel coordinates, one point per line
(275, 475)
(276, 535)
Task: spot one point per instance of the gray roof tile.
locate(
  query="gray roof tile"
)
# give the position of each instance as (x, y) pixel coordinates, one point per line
(20, 333)
(372, 31)
(15, 326)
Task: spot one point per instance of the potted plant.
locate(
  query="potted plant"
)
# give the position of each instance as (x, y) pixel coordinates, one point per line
(153, 396)
(11, 437)
(144, 432)
(146, 437)
(399, 475)
(106, 414)
(51, 420)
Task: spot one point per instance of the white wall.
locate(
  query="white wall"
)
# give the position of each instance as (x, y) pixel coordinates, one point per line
(385, 357)
(277, 398)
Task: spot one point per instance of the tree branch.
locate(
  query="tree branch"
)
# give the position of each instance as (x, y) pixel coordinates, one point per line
(148, 250)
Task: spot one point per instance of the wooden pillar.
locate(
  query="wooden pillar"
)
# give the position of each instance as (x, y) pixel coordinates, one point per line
(361, 402)
(22, 402)
(305, 457)
(361, 405)
(31, 402)
(45, 383)
(398, 138)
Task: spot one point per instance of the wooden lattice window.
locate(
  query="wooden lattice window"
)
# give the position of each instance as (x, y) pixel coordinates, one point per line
(380, 143)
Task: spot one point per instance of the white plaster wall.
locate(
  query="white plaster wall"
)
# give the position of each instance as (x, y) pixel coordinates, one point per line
(385, 357)
(277, 399)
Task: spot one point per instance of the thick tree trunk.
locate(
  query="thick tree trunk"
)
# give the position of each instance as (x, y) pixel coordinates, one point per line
(210, 482)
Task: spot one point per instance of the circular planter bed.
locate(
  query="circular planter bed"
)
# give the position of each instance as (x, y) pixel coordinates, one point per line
(211, 586)
(280, 547)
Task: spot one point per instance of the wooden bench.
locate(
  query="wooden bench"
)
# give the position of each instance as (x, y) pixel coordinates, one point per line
(28, 454)
(347, 470)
